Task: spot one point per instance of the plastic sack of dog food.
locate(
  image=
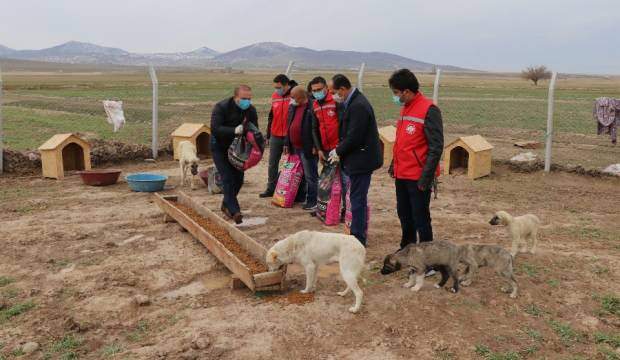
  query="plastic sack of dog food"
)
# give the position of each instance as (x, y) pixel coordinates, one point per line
(247, 149)
(214, 181)
(329, 195)
(114, 111)
(288, 182)
(348, 215)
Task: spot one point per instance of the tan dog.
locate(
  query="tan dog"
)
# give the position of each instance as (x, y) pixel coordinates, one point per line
(523, 230)
(188, 161)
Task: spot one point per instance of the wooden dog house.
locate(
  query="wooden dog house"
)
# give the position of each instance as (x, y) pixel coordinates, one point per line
(198, 134)
(62, 153)
(471, 153)
(387, 135)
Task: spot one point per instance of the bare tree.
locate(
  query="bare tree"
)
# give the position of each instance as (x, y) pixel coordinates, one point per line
(536, 73)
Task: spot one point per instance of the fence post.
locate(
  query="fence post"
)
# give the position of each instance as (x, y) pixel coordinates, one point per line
(1, 129)
(436, 87)
(360, 76)
(289, 68)
(155, 133)
(549, 135)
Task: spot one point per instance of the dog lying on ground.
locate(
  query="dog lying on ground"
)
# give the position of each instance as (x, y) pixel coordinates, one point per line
(496, 257)
(441, 255)
(523, 230)
(188, 161)
(312, 249)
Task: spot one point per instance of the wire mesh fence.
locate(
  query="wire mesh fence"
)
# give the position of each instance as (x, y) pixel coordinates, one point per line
(503, 108)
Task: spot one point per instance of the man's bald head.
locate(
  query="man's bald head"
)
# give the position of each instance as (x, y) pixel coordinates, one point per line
(299, 94)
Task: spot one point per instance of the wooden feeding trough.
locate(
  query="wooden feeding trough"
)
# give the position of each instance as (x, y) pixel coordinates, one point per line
(63, 153)
(197, 134)
(387, 136)
(469, 153)
(256, 278)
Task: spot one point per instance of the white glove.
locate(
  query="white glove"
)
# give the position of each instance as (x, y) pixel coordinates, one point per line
(239, 130)
(333, 157)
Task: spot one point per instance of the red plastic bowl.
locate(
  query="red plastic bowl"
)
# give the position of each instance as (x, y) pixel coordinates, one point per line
(101, 177)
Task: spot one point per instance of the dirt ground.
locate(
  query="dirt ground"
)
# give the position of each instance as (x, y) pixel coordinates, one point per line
(74, 258)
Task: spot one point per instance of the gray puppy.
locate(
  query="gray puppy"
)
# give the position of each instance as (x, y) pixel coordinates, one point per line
(441, 255)
(496, 257)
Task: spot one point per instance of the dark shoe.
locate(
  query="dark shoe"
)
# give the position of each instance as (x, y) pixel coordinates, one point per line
(238, 218)
(226, 212)
(265, 194)
(309, 207)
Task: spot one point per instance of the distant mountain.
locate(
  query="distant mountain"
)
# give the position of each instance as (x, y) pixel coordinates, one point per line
(273, 54)
(75, 52)
(260, 55)
(5, 51)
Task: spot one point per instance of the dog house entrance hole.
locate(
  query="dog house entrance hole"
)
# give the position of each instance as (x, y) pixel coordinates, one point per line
(459, 160)
(202, 146)
(73, 157)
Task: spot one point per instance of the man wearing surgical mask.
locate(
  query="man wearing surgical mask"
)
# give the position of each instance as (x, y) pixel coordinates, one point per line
(299, 141)
(276, 128)
(227, 122)
(358, 150)
(325, 124)
(416, 155)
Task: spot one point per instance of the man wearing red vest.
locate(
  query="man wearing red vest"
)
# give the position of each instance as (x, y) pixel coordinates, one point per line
(325, 124)
(277, 128)
(417, 152)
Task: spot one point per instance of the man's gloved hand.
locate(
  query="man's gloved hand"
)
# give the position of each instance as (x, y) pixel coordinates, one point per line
(391, 169)
(333, 157)
(239, 130)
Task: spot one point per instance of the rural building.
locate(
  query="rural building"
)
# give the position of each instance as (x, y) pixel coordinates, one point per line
(63, 153)
(387, 135)
(470, 153)
(198, 134)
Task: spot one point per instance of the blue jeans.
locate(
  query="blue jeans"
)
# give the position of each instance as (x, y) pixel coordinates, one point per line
(311, 176)
(359, 184)
(412, 205)
(232, 178)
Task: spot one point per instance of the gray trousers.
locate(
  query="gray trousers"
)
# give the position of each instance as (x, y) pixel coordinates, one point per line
(276, 146)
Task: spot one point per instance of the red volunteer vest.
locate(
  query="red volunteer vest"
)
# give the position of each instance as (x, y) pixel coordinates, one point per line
(411, 147)
(327, 116)
(279, 107)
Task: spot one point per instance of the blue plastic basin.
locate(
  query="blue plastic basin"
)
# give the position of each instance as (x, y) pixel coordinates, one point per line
(146, 182)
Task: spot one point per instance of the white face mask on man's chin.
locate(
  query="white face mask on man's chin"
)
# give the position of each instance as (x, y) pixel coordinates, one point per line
(337, 98)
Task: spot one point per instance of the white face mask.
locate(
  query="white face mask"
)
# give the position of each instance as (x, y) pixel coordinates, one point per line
(293, 102)
(337, 98)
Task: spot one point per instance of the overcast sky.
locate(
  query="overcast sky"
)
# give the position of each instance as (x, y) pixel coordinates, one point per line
(503, 35)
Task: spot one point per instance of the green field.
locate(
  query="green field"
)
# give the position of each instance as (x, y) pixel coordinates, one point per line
(39, 104)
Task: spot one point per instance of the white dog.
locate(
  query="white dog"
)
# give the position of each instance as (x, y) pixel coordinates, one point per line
(523, 230)
(188, 161)
(312, 248)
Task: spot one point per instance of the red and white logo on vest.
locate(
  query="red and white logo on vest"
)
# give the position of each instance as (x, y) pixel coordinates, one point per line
(410, 129)
(331, 113)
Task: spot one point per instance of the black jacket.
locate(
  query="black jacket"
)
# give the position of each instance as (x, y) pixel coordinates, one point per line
(358, 146)
(226, 116)
(433, 131)
(306, 129)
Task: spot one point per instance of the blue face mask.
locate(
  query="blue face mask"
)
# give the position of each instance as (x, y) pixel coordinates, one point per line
(319, 95)
(244, 104)
(280, 91)
(396, 100)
